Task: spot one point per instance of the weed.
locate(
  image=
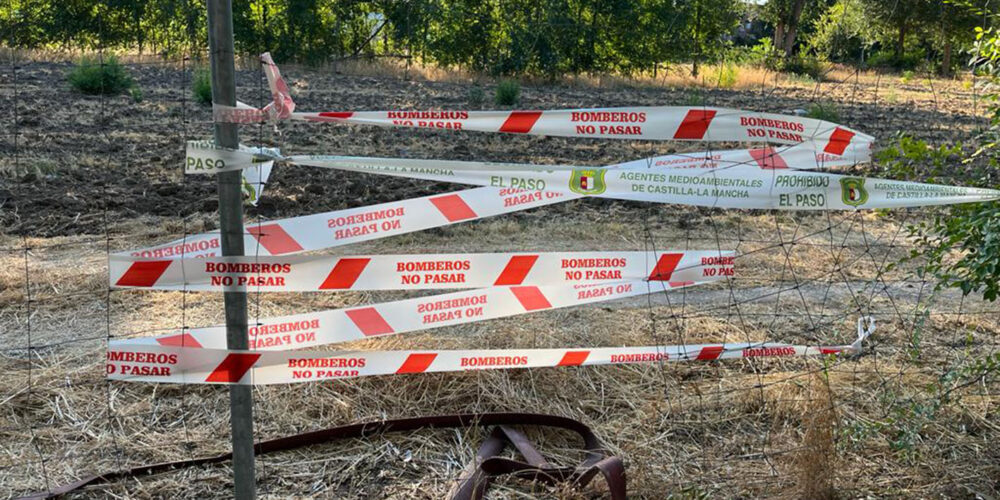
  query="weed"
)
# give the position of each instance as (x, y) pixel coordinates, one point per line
(726, 75)
(476, 97)
(695, 99)
(202, 86)
(92, 76)
(907, 76)
(508, 93)
(136, 94)
(824, 111)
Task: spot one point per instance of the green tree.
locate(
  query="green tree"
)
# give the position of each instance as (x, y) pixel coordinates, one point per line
(843, 33)
(899, 17)
(704, 23)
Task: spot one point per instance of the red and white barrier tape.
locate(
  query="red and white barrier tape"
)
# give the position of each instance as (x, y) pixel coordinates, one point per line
(149, 363)
(677, 123)
(413, 272)
(354, 225)
(736, 186)
(410, 315)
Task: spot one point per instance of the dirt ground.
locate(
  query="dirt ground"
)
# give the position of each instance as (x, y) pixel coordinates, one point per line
(82, 176)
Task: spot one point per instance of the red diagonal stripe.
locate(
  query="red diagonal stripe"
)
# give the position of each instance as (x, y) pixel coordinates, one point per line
(839, 140)
(344, 274)
(453, 207)
(665, 267)
(573, 358)
(517, 269)
(679, 284)
(711, 352)
(828, 350)
(369, 321)
(767, 158)
(520, 122)
(530, 297)
(417, 363)
(695, 124)
(343, 115)
(181, 340)
(143, 273)
(275, 239)
(233, 367)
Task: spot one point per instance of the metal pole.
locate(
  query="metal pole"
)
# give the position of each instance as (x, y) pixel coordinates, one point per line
(220, 44)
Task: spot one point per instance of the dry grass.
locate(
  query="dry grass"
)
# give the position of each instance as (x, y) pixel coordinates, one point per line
(711, 425)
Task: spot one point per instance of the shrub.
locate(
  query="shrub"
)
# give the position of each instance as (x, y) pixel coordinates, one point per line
(726, 75)
(907, 76)
(91, 76)
(824, 111)
(136, 94)
(476, 97)
(764, 54)
(202, 86)
(508, 93)
(888, 59)
(804, 64)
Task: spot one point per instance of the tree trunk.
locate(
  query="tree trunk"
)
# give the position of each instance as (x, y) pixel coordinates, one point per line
(793, 27)
(946, 58)
(779, 36)
(697, 40)
(901, 41)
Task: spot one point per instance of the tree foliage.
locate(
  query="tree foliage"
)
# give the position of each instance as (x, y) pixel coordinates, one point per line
(496, 36)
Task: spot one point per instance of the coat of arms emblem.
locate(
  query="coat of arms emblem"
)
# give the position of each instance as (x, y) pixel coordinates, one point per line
(588, 181)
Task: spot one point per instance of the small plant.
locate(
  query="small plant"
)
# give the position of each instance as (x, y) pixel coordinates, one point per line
(508, 93)
(966, 84)
(824, 111)
(96, 77)
(695, 99)
(726, 75)
(136, 94)
(202, 86)
(907, 76)
(476, 96)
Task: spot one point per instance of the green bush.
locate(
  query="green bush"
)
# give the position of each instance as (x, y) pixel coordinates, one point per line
(508, 93)
(476, 97)
(804, 64)
(888, 59)
(764, 54)
(726, 75)
(202, 86)
(907, 76)
(824, 111)
(136, 94)
(93, 77)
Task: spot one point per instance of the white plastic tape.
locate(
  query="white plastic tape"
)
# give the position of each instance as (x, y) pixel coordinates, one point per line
(676, 123)
(205, 157)
(413, 272)
(354, 225)
(470, 306)
(153, 363)
(735, 186)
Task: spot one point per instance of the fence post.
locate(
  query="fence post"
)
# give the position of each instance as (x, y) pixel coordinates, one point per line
(220, 44)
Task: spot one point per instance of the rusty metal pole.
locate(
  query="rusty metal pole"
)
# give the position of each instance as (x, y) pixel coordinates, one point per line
(220, 44)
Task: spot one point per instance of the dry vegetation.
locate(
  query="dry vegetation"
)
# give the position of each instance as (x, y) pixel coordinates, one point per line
(92, 174)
